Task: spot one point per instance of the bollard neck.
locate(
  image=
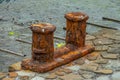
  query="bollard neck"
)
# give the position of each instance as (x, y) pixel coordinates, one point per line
(43, 28)
(76, 16)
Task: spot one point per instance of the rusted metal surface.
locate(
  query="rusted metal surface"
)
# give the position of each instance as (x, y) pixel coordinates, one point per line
(76, 28)
(45, 57)
(42, 42)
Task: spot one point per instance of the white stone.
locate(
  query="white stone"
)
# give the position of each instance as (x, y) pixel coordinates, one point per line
(26, 73)
(38, 78)
(116, 76)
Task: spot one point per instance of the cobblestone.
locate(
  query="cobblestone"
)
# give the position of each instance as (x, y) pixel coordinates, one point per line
(109, 56)
(101, 48)
(101, 61)
(103, 41)
(104, 71)
(71, 77)
(24, 78)
(26, 73)
(74, 68)
(8, 79)
(51, 76)
(89, 67)
(59, 73)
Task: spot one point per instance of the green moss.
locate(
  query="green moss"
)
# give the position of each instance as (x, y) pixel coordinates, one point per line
(60, 45)
(11, 33)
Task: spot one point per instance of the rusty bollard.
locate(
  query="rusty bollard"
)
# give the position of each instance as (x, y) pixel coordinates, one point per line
(45, 57)
(42, 42)
(42, 46)
(76, 28)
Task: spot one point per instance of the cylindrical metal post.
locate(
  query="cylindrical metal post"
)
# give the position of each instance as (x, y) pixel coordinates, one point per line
(42, 42)
(76, 28)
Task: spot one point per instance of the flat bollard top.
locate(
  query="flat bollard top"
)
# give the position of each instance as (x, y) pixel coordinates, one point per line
(43, 28)
(76, 16)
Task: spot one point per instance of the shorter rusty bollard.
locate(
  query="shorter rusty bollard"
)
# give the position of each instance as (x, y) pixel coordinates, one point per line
(45, 57)
(42, 42)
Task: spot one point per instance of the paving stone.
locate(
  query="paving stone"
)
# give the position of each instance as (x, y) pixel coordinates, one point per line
(13, 74)
(87, 74)
(67, 71)
(101, 48)
(89, 67)
(115, 46)
(98, 48)
(74, 68)
(116, 76)
(90, 37)
(80, 61)
(42, 74)
(71, 77)
(8, 79)
(51, 76)
(61, 70)
(15, 67)
(109, 56)
(104, 47)
(26, 73)
(103, 78)
(38, 78)
(93, 56)
(24, 78)
(2, 75)
(115, 50)
(101, 61)
(59, 73)
(103, 41)
(104, 71)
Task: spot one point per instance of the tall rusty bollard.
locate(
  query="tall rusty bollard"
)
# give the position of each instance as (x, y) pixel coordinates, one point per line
(45, 57)
(42, 42)
(76, 28)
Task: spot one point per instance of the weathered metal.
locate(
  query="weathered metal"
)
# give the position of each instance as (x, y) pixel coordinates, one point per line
(45, 57)
(42, 42)
(76, 28)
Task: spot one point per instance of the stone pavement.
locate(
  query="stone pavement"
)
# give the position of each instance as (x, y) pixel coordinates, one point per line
(102, 64)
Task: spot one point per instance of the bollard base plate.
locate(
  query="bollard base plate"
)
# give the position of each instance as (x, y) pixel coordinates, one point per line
(29, 64)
